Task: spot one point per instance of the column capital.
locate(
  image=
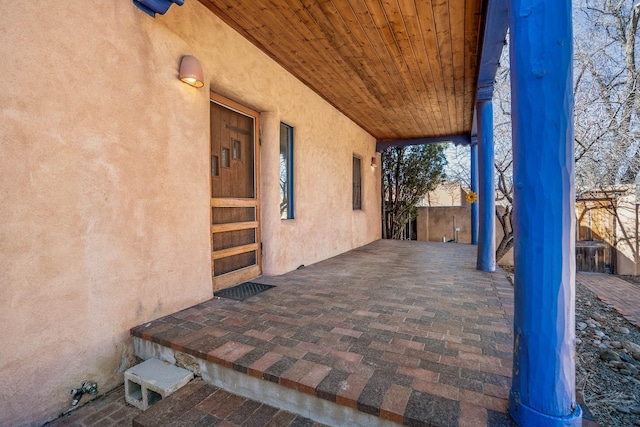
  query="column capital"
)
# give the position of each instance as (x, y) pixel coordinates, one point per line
(485, 92)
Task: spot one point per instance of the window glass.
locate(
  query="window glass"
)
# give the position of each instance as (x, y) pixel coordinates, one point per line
(214, 166)
(225, 158)
(236, 149)
(286, 171)
(357, 183)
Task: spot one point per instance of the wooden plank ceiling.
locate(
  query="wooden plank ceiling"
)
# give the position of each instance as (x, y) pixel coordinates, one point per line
(398, 68)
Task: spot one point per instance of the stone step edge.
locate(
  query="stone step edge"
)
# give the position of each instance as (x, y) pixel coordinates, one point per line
(167, 412)
(287, 397)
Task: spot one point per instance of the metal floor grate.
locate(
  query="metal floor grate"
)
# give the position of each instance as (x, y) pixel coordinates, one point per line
(242, 291)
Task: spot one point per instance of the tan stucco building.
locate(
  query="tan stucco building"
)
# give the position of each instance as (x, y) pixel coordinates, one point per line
(128, 195)
(106, 183)
(607, 223)
(446, 194)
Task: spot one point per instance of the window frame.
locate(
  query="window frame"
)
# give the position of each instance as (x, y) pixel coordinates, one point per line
(356, 199)
(290, 211)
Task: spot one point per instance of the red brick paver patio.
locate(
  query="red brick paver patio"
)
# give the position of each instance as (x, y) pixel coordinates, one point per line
(407, 331)
(108, 410)
(622, 295)
(196, 405)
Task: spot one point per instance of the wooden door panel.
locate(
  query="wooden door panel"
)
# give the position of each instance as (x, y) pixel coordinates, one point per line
(230, 260)
(235, 218)
(221, 228)
(232, 238)
(232, 142)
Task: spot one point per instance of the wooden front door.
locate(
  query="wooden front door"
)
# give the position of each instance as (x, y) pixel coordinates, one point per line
(235, 202)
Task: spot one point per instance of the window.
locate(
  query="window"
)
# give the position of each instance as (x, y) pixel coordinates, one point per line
(357, 183)
(286, 171)
(214, 166)
(225, 158)
(236, 149)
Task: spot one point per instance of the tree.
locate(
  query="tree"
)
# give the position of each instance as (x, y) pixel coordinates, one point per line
(607, 123)
(606, 112)
(408, 173)
(503, 157)
(606, 109)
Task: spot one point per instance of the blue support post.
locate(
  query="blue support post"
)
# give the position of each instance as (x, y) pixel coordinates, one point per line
(486, 260)
(543, 384)
(474, 188)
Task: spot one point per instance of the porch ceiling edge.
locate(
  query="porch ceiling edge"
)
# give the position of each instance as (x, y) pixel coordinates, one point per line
(494, 40)
(461, 139)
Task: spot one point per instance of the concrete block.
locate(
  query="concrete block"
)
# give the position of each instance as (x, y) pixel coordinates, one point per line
(152, 381)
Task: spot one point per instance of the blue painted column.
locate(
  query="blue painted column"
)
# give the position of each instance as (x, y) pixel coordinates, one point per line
(474, 188)
(486, 260)
(543, 386)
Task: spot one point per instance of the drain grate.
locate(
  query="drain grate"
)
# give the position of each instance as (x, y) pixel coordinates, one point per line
(243, 291)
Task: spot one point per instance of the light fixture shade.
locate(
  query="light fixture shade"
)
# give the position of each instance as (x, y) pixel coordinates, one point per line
(191, 71)
(374, 162)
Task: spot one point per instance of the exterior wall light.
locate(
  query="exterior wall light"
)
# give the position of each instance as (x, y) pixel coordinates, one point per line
(191, 71)
(374, 162)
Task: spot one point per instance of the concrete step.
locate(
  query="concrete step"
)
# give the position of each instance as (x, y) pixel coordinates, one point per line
(298, 395)
(201, 404)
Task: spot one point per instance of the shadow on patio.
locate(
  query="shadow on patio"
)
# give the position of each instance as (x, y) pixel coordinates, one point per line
(409, 332)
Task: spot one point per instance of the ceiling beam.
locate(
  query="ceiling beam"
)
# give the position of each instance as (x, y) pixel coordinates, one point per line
(462, 139)
(494, 40)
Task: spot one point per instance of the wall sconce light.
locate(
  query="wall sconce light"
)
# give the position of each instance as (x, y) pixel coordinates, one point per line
(374, 162)
(191, 71)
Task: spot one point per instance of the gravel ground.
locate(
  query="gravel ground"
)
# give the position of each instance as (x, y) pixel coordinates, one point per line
(607, 374)
(607, 370)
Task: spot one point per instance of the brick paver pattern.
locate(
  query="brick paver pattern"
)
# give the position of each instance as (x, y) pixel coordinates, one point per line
(202, 405)
(622, 295)
(195, 405)
(109, 410)
(408, 331)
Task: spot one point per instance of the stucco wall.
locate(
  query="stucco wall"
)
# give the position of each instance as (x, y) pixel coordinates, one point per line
(614, 221)
(627, 236)
(436, 222)
(446, 194)
(325, 224)
(105, 189)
